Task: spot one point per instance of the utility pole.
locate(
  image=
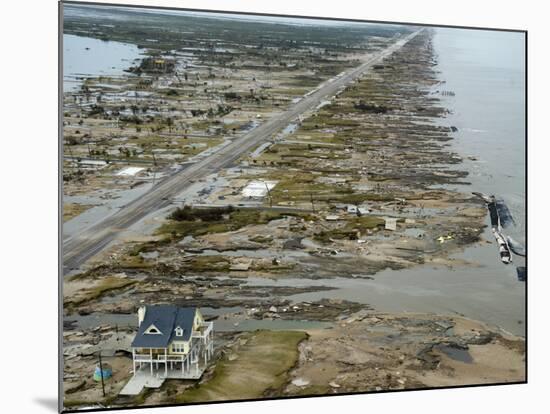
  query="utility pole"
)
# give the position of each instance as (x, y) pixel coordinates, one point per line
(269, 195)
(73, 159)
(155, 164)
(90, 139)
(101, 373)
(312, 205)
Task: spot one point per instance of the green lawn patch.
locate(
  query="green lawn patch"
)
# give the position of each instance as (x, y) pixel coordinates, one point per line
(251, 370)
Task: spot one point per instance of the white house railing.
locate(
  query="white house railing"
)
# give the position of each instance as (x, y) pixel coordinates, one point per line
(159, 358)
(175, 358)
(208, 326)
(142, 357)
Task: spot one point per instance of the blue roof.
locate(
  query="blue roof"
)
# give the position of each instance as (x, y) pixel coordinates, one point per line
(166, 318)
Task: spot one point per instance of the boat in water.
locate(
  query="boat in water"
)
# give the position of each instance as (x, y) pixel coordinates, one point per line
(501, 217)
(503, 247)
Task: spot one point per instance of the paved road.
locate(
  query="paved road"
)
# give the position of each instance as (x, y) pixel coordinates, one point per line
(79, 248)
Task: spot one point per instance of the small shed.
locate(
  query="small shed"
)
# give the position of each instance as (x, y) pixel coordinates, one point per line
(390, 223)
(258, 188)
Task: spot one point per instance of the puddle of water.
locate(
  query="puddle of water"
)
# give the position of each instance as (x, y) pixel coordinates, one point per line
(455, 354)
(260, 254)
(412, 232)
(93, 320)
(206, 311)
(226, 325)
(288, 130)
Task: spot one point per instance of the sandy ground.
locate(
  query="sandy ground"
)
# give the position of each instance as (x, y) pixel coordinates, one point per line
(379, 352)
(80, 387)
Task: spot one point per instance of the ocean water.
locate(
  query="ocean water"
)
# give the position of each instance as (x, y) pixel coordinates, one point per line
(486, 70)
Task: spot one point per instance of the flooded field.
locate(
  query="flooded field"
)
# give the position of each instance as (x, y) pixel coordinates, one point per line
(89, 57)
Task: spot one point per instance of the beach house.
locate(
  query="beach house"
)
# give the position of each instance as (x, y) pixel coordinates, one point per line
(172, 342)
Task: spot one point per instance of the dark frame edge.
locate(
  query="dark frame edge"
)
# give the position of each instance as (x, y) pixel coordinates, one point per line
(295, 397)
(60, 396)
(298, 16)
(526, 206)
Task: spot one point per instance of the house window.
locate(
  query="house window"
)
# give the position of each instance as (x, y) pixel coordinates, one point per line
(178, 347)
(153, 330)
(179, 331)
